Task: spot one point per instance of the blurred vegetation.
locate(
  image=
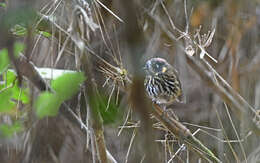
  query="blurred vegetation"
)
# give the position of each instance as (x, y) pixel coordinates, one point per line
(98, 111)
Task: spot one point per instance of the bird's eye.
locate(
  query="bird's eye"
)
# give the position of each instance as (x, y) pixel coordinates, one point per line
(155, 67)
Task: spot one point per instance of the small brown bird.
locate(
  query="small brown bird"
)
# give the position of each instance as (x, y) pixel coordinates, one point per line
(161, 81)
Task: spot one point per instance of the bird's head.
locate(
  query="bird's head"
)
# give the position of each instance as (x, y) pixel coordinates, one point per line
(156, 65)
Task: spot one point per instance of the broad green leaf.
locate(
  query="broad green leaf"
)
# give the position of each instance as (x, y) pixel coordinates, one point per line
(67, 85)
(9, 130)
(5, 103)
(4, 60)
(47, 104)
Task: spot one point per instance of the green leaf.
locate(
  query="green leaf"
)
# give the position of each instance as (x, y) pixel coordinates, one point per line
(109, 113)
(9, 77)
(4, 60)
(5, 103)
(9, 130)
(19, 30)
(44, 33)
(67, 85)
(2, 5)
(21, 94)
(18, 48)
(47, 104)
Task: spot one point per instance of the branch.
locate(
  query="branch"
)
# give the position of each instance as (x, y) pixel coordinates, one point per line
(182, 132)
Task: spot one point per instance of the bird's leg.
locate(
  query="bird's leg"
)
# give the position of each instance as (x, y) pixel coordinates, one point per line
(164, 108)
(173, 114)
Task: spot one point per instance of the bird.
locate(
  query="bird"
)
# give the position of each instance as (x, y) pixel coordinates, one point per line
(161, 82)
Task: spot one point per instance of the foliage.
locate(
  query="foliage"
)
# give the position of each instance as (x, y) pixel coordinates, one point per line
(67, 85)
(21, 30)
(47, 104)
(9, 130)
(9, 89)
(10, 93)
(6, 104)
(64, 87)
(2, 4)
(108, 109)
(4, 60)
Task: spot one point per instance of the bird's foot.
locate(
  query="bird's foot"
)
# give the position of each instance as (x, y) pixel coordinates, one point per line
(171, 113)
